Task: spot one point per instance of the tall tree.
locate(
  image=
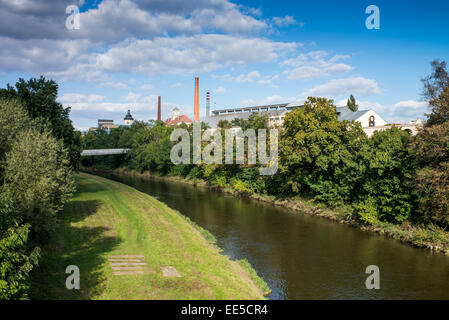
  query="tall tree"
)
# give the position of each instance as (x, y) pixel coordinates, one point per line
(319, 154)
(436, 92)
(431, 148)
(38, 97)
(352, 104)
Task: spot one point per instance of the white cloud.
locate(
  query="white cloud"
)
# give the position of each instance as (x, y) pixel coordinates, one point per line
(411, 104)
(277, 99)
(146, 87)
(115, 20)
(220, 90)
(199, 53)
(274, 99)
(286, 21)
(247, 77)
(345, 87)
(315, 65)
(79, 97)
(248, 102)
(114, 85)
(152, 36)
(268, 80)
(132, 96)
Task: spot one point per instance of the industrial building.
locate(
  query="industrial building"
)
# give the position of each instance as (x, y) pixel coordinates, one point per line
(276, 113)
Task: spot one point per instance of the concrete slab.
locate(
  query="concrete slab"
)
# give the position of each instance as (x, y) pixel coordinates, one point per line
(170, 271)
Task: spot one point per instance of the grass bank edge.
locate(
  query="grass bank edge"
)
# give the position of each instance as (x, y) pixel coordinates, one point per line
(245, 264)
(258, 282)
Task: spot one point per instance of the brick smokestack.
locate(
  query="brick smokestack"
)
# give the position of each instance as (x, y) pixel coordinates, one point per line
(207, 104)
(196, 105)
(159, 108)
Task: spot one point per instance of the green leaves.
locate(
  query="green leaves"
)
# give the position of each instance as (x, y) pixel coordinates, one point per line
(317, 150)
(38, 97)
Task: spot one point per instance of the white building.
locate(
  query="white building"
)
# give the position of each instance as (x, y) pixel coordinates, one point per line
(369, 119)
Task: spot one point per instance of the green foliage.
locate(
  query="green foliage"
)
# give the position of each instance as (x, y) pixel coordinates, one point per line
(101, 139)
(352, 104)
(13, 120)
(366, 210)
(224, 124)
(255, 121)
(38, 97)
(16, 259)
(390, 172)
(431, 148)
(319, 154)
(38, 176)
(436, 91)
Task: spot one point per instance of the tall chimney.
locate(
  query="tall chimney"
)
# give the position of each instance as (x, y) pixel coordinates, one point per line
(196, 105)
(159, 108)
(207, 104)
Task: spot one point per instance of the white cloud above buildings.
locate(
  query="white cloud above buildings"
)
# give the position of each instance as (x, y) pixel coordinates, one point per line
(345, 87)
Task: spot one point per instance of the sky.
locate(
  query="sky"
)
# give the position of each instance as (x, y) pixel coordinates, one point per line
(125, 53)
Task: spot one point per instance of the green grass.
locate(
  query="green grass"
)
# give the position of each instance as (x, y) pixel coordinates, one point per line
(109, 218)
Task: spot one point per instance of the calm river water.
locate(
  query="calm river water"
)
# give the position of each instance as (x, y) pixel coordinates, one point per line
(301, 256)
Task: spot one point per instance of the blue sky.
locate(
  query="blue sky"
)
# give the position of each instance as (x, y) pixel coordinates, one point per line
(128, 52)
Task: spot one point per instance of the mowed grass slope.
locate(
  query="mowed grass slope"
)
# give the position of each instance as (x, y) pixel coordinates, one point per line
(109, 218)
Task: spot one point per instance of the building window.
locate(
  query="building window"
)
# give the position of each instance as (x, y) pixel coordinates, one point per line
(372, 121)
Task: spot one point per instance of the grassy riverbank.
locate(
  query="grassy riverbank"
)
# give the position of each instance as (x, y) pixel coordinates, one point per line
(430, 237)
(106, 218)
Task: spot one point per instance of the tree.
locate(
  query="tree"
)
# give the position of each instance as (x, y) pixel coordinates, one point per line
(13, 120)
(255, 121)
(351, 104)
(38, 97)
(17, 258)
(387, 184)
(436, 92)
(431, 147)
(319, 154)
(224, 124)
(38, 176)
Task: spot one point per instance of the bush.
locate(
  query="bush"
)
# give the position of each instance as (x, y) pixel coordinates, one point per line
(366, 211)
(431, 149)
(39, 178)
(16, 260)
(320, 154)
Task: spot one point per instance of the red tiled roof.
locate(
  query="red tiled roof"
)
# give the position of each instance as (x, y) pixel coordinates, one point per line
(178, 120)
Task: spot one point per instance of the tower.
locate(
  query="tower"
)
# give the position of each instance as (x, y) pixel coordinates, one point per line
(207, 104)
(159, 108)
(196, 105)
(129, 120)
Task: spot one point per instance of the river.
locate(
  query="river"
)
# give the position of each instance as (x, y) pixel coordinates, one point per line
(302, 256)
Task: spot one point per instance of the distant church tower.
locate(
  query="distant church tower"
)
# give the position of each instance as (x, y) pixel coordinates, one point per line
(129, 119)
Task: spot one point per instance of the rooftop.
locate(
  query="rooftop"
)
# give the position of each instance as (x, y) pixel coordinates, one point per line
(344, 113)
(263, 108)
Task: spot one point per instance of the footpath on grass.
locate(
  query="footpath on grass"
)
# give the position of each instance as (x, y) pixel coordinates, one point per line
(128, 245)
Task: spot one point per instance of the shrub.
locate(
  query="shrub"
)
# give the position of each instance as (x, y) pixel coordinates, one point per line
(39, 178)
(16, 260)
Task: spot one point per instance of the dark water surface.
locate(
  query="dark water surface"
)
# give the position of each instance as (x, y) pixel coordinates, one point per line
(301, 256)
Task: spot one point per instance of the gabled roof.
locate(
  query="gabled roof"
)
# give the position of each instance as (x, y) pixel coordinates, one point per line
(345, 114)
(178, 120)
